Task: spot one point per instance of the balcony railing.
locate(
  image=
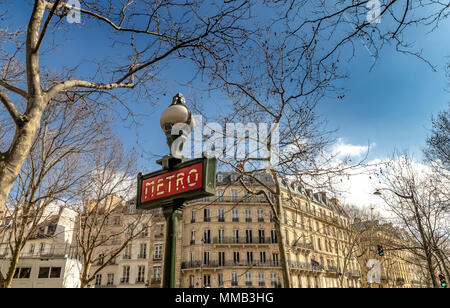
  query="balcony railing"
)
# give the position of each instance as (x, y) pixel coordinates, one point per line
(308, 246)
(333, 269)
(354, 273)
(243, 240)
(216, 264)
(156, 280)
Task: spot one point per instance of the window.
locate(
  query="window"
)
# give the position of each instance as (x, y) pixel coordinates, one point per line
(44, 272)
(234, 195)
(193, 216)
(249, 257)
(159, 232)
(23, 273)
(234, 279)
(31, 249)
(221, 215)
(220, 237)
(207, 281)
(221, 258)
(220, 279)
(143, 251)
(248, 279)
(261, 281)
(275, 258)
(273, 235)
(220, 195)
(207, 236)
(271, 217)
(192, 237)
(117, 221)
(260, 215)
(235, 215)
(273, 279)
(206, 215)
(235, 236)
(144, 230)
(125, 274)
(157, 254)
(261, 236)
(248, 236)
(219, 178)
(127, 252)
(157, 272)
(110, 281)
(248, 215)
(206, 258)
(55, 272)
(262, 257)
(98, 280)
(191, 281)
(42, 248)
(141, 274)
(236, 257)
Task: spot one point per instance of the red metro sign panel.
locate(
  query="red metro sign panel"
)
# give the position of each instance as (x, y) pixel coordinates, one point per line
(191, 180)
(172, 183)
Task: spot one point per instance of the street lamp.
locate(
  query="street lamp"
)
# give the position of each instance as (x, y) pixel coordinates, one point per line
(173, 121)
(180, 180)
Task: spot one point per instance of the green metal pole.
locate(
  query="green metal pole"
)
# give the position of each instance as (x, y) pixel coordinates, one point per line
(172, 215)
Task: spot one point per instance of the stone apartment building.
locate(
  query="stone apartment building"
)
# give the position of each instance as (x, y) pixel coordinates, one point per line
(230, 241)
(139, 265)
(47, 260)
(400, 268)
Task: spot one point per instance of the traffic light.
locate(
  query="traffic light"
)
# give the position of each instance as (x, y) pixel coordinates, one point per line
(380, 250)
(443, 282)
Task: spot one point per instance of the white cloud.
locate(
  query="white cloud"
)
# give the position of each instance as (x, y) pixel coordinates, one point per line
(342, 150)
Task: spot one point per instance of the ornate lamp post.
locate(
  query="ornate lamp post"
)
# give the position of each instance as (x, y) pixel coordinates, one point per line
(178, 181)
(177, 113)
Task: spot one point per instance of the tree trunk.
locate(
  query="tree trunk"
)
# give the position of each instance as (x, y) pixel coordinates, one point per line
(283, 257)
(84, 279)
(11, 162)
(6, 284)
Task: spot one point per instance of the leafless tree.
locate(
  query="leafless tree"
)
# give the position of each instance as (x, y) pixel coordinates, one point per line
(411, 195)
(438, 144)
(49, 174)
(200, 32)
(101, 197)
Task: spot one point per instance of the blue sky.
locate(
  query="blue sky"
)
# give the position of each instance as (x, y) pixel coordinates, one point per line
(389, 106)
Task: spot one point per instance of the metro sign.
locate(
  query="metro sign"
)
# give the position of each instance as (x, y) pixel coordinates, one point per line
(191, 180)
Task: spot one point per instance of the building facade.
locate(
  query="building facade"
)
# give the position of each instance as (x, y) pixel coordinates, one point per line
(47, 260)
(230, 240)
